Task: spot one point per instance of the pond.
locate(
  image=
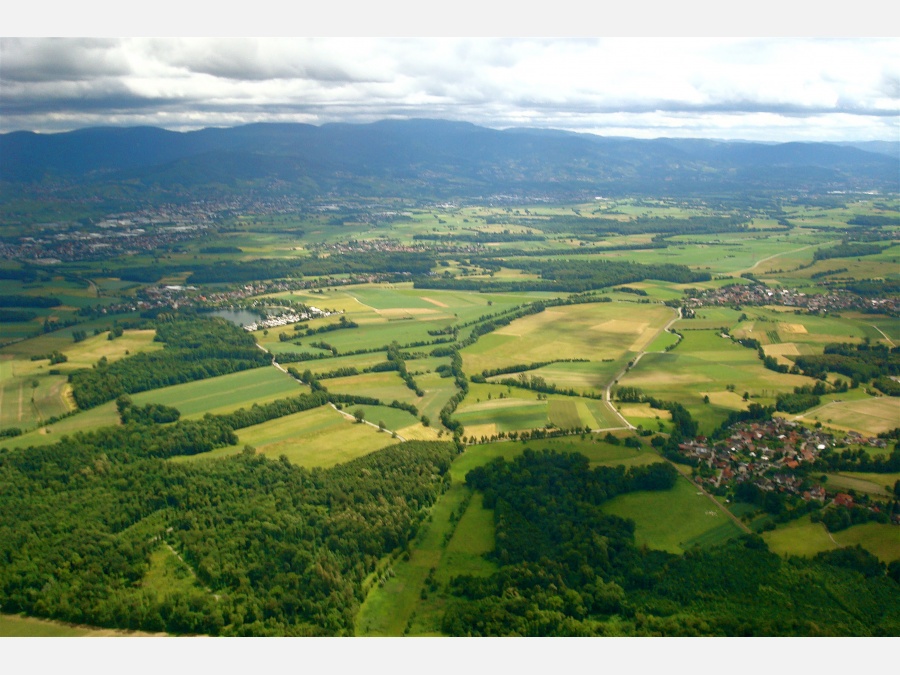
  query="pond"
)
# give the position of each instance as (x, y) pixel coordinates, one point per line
(241, 317)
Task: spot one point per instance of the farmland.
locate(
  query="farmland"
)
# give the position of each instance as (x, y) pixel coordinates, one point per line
(389, 416)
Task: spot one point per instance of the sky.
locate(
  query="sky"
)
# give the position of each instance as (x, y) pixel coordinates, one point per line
(760, 89)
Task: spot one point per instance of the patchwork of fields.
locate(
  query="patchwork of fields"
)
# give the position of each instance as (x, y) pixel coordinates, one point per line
(556, 366)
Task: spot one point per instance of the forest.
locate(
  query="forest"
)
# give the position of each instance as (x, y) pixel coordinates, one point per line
(567, 568)
(276, 549)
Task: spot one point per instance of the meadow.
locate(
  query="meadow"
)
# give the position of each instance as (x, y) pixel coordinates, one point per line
(675, 520)
(224, 394)
(592, 331)
(320, 437)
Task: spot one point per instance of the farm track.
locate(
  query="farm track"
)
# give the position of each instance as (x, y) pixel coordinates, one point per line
(777, 255)
(284, 370)
(607, 394)
(346, 414)
(890, 342)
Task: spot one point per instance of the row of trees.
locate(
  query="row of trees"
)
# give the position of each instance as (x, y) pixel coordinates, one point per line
(195, 349)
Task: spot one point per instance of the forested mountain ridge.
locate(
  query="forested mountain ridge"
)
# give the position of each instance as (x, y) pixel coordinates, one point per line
(421, 158)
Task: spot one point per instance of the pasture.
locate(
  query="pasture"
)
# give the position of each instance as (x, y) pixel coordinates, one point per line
(676, 519)
(799, 537)
(319, 437)
(30, 395)
(879, 539)
(226, 393)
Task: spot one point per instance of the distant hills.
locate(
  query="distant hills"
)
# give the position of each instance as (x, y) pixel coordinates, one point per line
(430, 159)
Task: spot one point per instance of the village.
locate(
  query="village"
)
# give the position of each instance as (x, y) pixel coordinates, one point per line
(778, 456)
(759, 294)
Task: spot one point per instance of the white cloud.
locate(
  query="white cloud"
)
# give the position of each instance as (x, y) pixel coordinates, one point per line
(771, 89)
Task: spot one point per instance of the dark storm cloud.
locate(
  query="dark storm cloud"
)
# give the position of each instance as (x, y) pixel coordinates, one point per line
(49, 60)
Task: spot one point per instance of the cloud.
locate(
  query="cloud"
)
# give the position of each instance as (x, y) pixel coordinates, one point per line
(718, 88)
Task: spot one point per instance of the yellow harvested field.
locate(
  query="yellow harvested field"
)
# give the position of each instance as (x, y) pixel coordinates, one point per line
(784, 348)
(780, 352)
(418, 432)
(643, 410)
(434, 302)
(868, 416)
(726, 399)
(792, 328)
(620, 326)
(479, 430)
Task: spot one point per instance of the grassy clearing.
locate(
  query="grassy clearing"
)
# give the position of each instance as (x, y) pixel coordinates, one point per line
(168, 575)
(799, 537)
(674, 520)
(391, 606)
(879, 539)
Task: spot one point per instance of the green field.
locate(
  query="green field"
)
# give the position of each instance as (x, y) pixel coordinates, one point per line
(14, 626)
(226, 393)
(30, 395)
(705, 364)
(805, 538)
(882, 540)
(674, 520)
(319, 437)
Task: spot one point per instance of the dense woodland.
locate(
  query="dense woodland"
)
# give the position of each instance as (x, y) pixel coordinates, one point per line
(276, 549)
(567, 568)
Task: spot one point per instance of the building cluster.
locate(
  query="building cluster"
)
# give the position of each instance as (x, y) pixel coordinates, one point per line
(767, 454)
(77, 243)
(760, 294)
(288, 318)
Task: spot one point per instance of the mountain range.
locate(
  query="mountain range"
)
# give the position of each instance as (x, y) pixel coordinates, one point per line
(423, 158)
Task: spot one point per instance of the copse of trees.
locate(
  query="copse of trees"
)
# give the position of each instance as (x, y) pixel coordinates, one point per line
(860, 362)
(570, 276)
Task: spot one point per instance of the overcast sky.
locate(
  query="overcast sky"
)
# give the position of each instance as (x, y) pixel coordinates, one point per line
(756, 89)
